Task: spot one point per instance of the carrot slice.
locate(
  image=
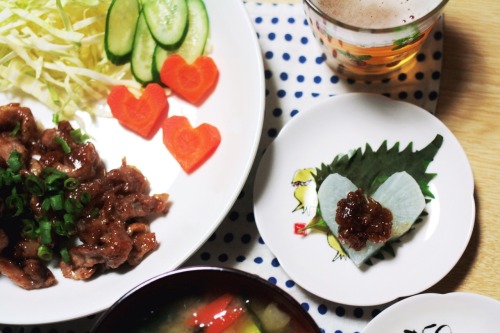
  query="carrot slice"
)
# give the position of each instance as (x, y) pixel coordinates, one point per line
(192, 82)
(217, 315)
(143, 116)
(191, 147)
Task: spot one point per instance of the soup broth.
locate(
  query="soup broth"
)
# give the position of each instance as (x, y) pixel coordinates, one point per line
(219, 313)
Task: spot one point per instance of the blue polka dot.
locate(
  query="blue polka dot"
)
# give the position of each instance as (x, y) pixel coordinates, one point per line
(261, 241)
(420, 57)
(304, 40)
(286, 56)
(403, 95)
(240, 258)
(284, 76)
(375, 312)
(288, 37)
(268, 74)
(274, 20)
(322, 309)
(402, 77)
(436, 75)
(258, 260)
(334, 79)
(258, 20)
(228, 238)
(233, 216)
(306, 306)
(305, 22)
(438, 35)
(387, 94)
(273, 280)
(338, 331)
(241, 195)
(223, 257)
(277, 112)
(386, 80)
(290, 283)
(302, 59)
(315, 95)
(269, 55)
(246, 238)
(320, 60)
(272, 132)
(351, 81)
(212, 237)
(317, 79)
(205, 256)
(418, 94)
(433, 95)
(250, 217)
(275, 262)
(419, 76)
(291, 20)
(340, 311)
(300, 78)
(358, 312)
(299, 94)
(271, 36)
(437, 55)
(293, 113)
(281, 93)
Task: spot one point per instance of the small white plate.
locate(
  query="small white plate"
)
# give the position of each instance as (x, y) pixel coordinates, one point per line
(336, 126)
(435, 313)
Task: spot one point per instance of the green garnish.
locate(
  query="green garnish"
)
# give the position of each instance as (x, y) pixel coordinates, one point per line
(369, 169)
(59, 209)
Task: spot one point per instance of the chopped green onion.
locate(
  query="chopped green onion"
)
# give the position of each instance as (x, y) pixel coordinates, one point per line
(71, 183)
(55, 118)
(14, 161)
(16, 129)
(85, 198)
(64, 254)
(15, 202)
(29, 229)
(64, 145)
(45, 231)
(79, 136)
(45, 253)
(35, 185)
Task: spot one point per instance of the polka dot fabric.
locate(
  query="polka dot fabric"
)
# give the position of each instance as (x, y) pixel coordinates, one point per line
(296, 76)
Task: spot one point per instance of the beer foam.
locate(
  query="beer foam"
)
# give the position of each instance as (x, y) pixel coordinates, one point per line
(376, 14)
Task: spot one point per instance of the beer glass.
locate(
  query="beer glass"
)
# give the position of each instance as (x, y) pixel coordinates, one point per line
(371, 39)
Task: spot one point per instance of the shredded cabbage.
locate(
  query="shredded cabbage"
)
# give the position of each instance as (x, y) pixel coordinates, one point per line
(54, 51)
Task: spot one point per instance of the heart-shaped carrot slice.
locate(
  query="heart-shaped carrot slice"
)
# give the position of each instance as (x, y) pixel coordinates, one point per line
(142, 116)
(191, 147)
(192, 82)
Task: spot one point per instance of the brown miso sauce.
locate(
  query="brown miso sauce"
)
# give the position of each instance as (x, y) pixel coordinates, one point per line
(361, 219)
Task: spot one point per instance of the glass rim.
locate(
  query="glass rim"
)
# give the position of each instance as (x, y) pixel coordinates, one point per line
(318, 11)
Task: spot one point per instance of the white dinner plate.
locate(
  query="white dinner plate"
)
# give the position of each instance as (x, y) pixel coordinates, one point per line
(338, 125)
(439, 313)
(199, 201)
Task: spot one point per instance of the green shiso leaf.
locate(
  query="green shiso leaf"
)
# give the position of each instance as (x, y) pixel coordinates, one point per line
(368, 169)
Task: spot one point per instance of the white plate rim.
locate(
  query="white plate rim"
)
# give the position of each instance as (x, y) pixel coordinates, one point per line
(311, 272)
(425, 309)
(221, 179)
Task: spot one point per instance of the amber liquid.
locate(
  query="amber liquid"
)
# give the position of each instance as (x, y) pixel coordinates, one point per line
(369, 62)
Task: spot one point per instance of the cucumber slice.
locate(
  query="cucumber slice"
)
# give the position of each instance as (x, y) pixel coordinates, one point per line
(167, 20)
(197, 33)
(121, 20)
(143, 52)
(194, 42)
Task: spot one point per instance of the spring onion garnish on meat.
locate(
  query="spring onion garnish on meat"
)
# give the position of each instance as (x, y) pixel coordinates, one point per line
(54, 51)
(50, 188)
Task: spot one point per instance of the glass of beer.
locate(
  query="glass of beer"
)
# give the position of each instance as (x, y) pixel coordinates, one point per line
(371, 39)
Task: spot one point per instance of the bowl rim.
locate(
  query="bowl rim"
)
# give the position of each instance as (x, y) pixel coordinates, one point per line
(211, 269)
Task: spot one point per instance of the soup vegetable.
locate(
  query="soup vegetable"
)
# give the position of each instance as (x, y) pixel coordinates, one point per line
(223, 313)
